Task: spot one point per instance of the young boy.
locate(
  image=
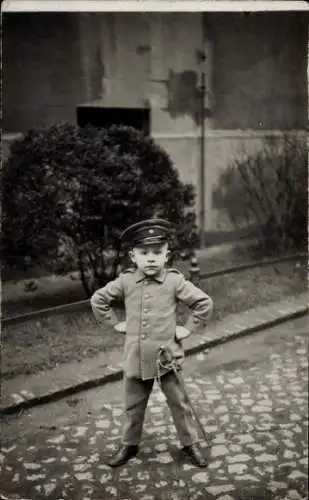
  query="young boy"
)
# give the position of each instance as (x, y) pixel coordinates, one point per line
(151, 292)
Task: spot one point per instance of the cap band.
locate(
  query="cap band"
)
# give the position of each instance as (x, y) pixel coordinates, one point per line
(151, 240)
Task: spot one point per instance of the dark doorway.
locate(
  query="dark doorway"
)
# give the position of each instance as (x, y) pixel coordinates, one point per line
(138, 118)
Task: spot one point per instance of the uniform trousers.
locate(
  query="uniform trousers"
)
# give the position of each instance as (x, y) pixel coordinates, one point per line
(137, 392)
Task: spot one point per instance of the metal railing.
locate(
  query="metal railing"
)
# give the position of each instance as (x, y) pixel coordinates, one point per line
(194, 275)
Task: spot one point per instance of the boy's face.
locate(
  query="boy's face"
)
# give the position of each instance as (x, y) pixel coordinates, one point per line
(150, 259)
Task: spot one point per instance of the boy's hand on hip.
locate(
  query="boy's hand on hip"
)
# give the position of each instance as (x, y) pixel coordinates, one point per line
(121, 327)
(182, 332)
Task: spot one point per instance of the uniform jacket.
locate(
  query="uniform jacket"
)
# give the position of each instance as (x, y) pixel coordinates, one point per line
(150, 305)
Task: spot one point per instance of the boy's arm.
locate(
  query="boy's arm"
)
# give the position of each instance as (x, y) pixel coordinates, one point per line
(199, 302)
(101, 301)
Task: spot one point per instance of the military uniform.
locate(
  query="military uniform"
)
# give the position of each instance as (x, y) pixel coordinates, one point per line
(150, 305)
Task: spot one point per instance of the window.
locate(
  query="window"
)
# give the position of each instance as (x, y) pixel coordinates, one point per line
(98, 116)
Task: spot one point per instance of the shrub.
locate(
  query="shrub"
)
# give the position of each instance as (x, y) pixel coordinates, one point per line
(68, 192)
(268, 192)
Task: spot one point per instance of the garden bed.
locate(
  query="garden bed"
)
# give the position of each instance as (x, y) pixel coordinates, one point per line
(44, 343)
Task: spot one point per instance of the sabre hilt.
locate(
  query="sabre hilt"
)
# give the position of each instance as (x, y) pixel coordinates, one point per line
(165, 356)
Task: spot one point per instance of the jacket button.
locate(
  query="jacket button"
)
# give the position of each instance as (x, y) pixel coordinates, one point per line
(144, 322)
(196, 320)
(144, 336)
(145, 310)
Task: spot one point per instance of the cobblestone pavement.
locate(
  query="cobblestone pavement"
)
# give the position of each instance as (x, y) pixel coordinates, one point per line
(252, 402)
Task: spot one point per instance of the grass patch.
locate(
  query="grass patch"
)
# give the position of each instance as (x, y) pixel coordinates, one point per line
(41, 344)
(57, 290)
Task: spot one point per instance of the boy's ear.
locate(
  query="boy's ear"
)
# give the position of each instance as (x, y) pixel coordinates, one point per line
(168, 254)
(131, 255)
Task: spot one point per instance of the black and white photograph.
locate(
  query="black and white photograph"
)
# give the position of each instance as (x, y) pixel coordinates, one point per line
(154, 250)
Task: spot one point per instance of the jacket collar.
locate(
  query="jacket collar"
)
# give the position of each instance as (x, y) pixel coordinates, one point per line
(159, 277)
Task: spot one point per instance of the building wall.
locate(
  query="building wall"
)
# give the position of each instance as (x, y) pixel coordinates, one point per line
(115, 59)
(260, 70)
(43, 77)
(256, 79)
(256, 87)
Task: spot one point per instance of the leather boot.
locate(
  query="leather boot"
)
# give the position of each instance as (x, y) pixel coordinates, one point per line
(124, 454)
(196, 455)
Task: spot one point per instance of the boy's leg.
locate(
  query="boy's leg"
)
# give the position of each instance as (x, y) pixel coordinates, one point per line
(137, 394)
(180, 409)
(183, 419)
